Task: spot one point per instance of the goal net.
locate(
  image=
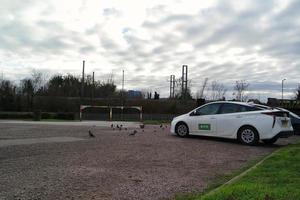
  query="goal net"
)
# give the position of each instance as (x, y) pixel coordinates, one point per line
(111, 113)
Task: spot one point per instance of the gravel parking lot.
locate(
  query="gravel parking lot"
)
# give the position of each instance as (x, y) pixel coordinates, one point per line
(150, 165)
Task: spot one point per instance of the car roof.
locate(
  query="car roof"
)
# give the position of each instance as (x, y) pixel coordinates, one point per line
(232, 102)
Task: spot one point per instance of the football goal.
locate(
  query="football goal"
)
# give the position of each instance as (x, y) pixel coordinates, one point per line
(111, 113)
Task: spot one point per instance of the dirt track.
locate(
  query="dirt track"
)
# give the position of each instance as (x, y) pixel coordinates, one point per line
(150, 165)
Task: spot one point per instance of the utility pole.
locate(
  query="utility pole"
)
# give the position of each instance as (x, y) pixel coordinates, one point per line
(122, 111)
(184, 80)
(82, 80)
(172, 86)
(93, 91)
(282, 90)
(123, 81)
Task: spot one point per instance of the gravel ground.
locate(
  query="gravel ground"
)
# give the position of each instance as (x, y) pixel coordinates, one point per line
(150, 165)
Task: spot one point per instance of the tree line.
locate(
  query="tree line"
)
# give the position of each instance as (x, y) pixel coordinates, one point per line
(20, 97)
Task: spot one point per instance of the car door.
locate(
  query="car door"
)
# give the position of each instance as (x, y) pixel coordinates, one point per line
(203, 120)
(228, 119)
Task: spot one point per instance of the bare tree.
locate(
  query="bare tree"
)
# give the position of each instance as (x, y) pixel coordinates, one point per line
(297, 93)
(38, 80)
(241, 87)
(200, 93)
(178, 89)
(218, 90)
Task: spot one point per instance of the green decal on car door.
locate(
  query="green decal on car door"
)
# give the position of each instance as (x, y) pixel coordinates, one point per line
(204, 127)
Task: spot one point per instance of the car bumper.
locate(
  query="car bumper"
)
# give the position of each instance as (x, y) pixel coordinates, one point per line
(285, 134)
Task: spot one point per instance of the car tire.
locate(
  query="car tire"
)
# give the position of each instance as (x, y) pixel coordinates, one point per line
(248, 135)
(182, 130)
(270, 141)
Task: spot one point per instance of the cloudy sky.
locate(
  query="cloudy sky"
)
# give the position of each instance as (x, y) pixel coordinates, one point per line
(253, 40)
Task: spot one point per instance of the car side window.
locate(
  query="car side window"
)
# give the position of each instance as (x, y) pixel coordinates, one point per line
(210, 109)
(230, 108)
(250, 108)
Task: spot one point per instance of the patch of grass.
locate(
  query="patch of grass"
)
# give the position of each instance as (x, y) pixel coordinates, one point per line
(59, 120)
(217, 181)
(276, 178)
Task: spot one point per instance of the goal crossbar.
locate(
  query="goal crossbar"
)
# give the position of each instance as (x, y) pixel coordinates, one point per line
(83, 107)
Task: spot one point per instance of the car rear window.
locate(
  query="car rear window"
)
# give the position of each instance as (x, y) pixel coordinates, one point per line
(250, 108)
(230, 108)
(234, 108)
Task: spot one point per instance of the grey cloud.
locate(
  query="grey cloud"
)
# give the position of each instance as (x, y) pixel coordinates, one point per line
(111, 12)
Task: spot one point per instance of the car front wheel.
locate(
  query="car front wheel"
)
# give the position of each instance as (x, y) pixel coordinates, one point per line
(248, 135)
(182, 130)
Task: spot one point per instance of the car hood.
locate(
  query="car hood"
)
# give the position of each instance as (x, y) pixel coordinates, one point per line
(180, 117)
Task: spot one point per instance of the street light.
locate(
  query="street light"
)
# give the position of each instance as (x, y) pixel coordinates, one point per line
(282, 89)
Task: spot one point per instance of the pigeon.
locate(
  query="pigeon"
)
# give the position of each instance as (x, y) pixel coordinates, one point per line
(91, 134)
(133, 133)
(161, 126)
(142, 126)
(118, 126)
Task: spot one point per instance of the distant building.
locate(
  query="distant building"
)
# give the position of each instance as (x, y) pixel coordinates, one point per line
(286, 103)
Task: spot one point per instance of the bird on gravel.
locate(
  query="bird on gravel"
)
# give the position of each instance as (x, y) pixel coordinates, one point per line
(91, 134)
(133, 133)
(142, 126)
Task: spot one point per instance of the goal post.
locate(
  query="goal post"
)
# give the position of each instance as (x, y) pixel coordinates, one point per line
(110, 108)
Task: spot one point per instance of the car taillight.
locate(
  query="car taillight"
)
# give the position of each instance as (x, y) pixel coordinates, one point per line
(276, 114)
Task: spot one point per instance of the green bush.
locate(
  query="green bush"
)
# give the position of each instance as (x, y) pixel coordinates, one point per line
(37, 115)
(16, 115)
(65, 116)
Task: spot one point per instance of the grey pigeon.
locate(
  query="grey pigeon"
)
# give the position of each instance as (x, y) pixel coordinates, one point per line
(91, 134)
(142, 126)
(133, 133)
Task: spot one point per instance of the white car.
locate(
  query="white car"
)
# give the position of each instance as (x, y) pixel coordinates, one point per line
(246, 122)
